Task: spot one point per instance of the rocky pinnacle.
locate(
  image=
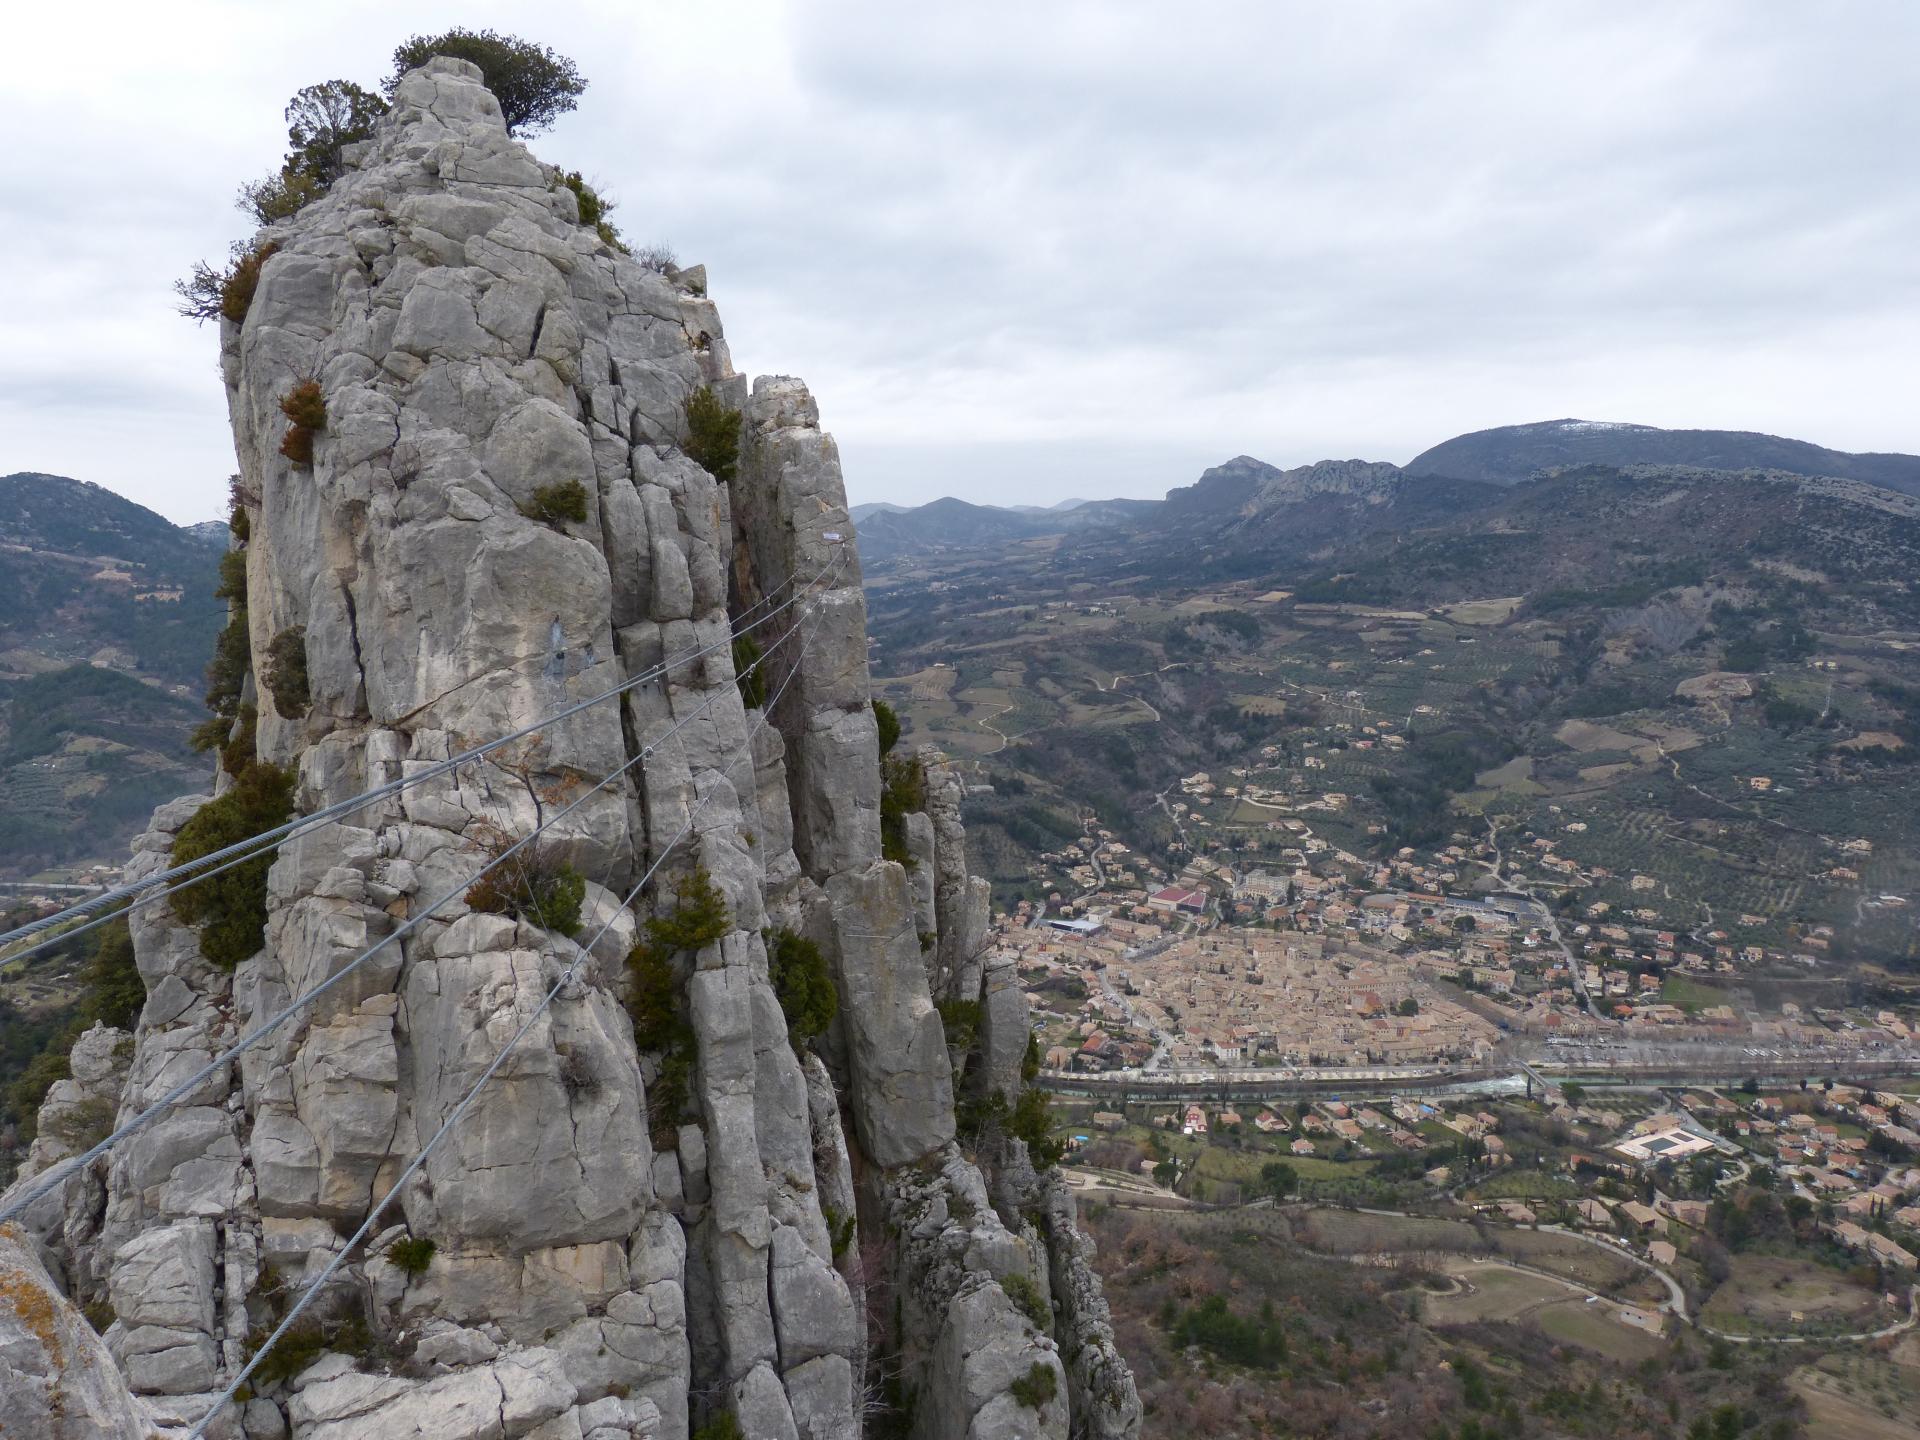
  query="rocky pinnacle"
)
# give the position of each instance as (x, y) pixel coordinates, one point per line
(804, 1243)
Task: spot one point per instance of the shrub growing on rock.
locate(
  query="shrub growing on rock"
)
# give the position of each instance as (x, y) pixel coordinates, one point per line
(322, 120)
(698, 919)
(840, 1228)
(412, 1255)
(230, 908)
(653, 1003)
(278, 197)
(746, 672)
(1036, 1388)
(532, 884)
(961, 1021)
(713, 434)
(241, 747)
(210, 294)
(534, 85)
(29, 1089)
(699, 916)
(227, 675)
(230, 666)
(981, 1119)
(798, 972)
(233, 579)
(1032, 1121)
(114, 991)
(887, 721)
(305, 405)
(306, 408)
(594, 209)
(557, 503)
(306, 1342)
(287, 672)
(903, 790)
(1027, 1299)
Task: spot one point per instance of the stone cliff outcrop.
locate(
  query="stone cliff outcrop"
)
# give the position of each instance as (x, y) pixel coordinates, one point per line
(803, 1243)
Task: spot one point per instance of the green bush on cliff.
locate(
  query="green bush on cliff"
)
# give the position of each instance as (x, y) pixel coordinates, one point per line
(34, 1051)
(886, 721)
(232, 660)
(747, 673)
(29, 1089)
(534, 85)
(798, 973)
(532, 884)
(1028, 1300)
(961, 1021)
(903, 790)
(114, 992)
(287, 678)
(412, 1255)
(594, 209)
(322, 120)
(278, 197)
(981, 1118)
(1035, 1388)
(698, 919)
(557, 503)
(230, 908)
(713, 434)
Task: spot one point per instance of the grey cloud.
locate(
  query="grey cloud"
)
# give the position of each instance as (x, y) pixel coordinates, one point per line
(1026, 251)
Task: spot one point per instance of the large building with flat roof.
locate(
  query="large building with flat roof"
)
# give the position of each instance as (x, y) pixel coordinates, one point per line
(1675, 1143)
(1176, 898)
(1089, 925)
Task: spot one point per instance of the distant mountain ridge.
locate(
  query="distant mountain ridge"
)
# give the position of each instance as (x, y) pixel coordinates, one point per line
(888, 531)
(1245, 487)
(54, 512)
(87, 575)
(1509, 454)
(1241, 494)
(107, 619)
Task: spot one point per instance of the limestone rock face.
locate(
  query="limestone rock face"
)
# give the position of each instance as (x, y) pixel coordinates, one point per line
(57, 1380)
(624, 1242)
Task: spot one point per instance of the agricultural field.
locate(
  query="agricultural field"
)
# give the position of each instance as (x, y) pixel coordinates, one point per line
(1864, 1395)
(1351, 1232)
(1420, 1346)
(1774, 1295)
(1492, 1291)
(1595, 1327)
(1519, 1184)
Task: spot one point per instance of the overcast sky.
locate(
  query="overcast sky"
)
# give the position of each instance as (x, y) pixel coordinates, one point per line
(1030, 251)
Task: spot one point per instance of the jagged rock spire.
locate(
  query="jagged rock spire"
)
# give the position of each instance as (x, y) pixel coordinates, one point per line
(497, 517)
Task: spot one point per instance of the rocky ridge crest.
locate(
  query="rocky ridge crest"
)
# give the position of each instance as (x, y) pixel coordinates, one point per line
(806, 1247)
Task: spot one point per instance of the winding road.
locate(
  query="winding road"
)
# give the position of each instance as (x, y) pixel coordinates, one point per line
(1004, 737)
